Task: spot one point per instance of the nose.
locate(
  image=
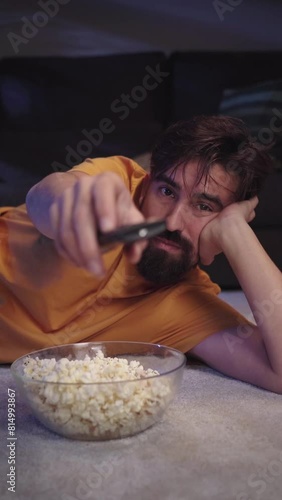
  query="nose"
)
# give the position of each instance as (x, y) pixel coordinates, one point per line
(175, 220)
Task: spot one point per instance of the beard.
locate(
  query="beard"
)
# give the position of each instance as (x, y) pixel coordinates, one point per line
(163, 268)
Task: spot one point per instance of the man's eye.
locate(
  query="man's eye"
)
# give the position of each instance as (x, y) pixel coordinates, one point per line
(204, 208)
(165, 191)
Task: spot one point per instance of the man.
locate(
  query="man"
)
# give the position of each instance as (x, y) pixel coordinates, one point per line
(58, 288)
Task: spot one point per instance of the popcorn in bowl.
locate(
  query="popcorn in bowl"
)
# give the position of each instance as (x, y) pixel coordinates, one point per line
(96, 398)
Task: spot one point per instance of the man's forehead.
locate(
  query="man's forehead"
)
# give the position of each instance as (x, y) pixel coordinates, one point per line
(216, 180)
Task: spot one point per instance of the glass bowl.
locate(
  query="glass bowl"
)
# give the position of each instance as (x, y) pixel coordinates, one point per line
(101, 410)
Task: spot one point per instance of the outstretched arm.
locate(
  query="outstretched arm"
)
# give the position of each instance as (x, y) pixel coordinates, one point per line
(255, 353)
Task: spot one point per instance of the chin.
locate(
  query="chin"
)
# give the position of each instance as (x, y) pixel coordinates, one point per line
(162, 268)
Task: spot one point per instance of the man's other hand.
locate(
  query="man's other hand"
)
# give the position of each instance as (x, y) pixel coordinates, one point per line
(214, 235)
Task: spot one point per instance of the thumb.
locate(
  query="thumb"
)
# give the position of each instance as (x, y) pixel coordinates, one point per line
(254, 201)
(206, 261)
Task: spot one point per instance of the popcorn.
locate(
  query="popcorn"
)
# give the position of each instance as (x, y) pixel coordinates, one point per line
(95, 398)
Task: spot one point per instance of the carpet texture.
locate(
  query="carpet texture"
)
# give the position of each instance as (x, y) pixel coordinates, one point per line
(220, 439)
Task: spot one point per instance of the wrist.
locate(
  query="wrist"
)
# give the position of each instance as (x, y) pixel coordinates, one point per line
(232, 233)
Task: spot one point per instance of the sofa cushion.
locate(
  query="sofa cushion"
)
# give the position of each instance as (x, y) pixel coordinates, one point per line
(200, 78)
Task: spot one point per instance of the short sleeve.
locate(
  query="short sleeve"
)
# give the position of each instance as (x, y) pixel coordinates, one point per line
(129, 171)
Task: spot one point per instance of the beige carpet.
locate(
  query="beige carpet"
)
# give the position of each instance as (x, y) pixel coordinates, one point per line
(219, 440)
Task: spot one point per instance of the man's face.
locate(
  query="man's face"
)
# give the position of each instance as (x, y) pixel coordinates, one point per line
(187, 207)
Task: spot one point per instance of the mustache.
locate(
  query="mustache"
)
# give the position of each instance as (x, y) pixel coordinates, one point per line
(175, 237)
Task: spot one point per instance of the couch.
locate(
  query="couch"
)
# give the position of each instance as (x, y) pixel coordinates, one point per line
(57, 111)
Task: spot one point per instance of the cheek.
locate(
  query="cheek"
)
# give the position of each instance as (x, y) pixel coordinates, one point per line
(151, 208)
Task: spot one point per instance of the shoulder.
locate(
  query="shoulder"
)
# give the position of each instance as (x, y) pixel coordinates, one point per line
(197, 279)
(125, 167)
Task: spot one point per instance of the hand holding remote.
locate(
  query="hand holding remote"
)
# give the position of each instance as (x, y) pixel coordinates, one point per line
(93, 208)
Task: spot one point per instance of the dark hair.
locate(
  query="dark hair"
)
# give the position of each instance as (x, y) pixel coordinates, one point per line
(214, 139)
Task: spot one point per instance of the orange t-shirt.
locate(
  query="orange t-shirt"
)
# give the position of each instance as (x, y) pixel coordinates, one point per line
(45, 300)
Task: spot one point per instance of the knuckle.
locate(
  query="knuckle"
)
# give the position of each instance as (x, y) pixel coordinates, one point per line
(102, 177)
(105, 178)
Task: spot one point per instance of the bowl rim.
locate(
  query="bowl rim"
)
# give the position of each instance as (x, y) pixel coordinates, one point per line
(24, 378)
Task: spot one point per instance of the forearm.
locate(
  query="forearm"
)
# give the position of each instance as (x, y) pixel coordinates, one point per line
(41, 196)
(261, 282)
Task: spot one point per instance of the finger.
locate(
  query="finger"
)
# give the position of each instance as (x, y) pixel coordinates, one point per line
(85, 229)
(114, 206)
(206, 261)
(252, 216)
(54, 214)
(254, 201)
(104, 198)
(113, 203)
(65, 240)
